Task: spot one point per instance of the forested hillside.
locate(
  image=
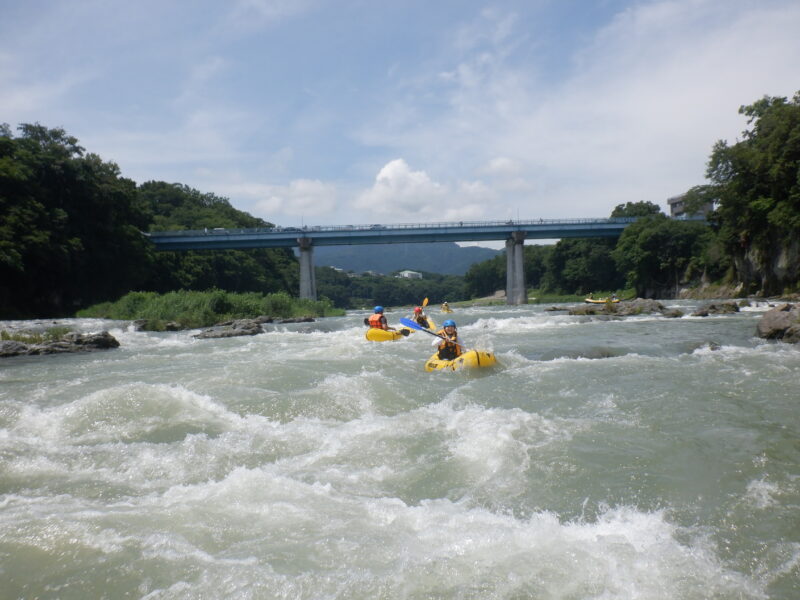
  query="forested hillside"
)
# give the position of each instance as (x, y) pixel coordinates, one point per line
(70, 232)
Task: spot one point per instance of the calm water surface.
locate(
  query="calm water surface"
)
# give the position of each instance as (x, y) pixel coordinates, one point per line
(644, 458)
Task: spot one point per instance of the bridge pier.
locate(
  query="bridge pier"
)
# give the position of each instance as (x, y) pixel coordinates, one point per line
(515, 269)
(308, 282)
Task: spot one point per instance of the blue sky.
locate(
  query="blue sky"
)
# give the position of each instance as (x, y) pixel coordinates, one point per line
(365, 111)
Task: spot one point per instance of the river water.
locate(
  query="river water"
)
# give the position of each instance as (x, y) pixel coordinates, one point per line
(638, 458)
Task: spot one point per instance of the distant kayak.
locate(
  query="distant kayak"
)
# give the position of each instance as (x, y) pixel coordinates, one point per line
(471, 359)
(601, 300)
(383, 335)
(447, 309)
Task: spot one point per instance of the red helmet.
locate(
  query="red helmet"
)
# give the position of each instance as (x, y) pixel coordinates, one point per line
(417, 309)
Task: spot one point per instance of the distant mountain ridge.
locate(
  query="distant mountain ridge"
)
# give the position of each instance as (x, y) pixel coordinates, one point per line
(447, 258)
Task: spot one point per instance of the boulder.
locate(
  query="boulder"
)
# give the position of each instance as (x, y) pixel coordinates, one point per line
(232, 329)
(780, 323)
(12, 348)
(639, 306)
(716, 308)
(70, 342)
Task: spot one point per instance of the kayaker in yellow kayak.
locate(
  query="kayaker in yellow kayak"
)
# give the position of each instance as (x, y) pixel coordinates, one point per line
(450, 347)
(420, 317)
(377, 320)
(446, 307)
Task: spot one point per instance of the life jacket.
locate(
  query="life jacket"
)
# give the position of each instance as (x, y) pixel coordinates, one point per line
(448, 349)
(422, 320)
(375, 321)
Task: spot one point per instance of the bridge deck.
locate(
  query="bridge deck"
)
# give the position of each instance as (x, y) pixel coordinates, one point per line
(463, 231)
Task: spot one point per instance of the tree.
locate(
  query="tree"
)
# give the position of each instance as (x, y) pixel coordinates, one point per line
(643, 208)
(173, 206)
(70, 230)
(757, 185)
(658, 254)
(579, 266)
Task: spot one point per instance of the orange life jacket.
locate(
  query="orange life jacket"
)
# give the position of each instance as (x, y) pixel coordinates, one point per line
(448, 349)
(375, 321)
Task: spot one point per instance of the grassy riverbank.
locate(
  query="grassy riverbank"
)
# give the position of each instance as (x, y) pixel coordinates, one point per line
(202, 309)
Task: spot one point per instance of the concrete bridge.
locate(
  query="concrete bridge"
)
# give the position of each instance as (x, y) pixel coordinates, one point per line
(513, 232)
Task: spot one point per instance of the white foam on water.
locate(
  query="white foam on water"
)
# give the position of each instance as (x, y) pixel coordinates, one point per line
(123, 413)
(302, 533)
(761, 494)
(343, 396)
(522, 324)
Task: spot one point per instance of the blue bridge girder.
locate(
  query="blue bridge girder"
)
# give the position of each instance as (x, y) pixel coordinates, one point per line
(337, 235)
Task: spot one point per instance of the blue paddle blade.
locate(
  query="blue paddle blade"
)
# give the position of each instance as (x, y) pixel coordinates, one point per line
(412, 324)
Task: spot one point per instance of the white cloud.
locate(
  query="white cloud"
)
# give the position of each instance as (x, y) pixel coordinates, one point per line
(199, 78)
(401, 194)
(27, 98)
(298, 198)
(254, 14)
(502, 166)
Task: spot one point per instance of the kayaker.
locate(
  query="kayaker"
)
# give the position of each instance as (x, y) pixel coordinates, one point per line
(450, 347)
(377, 320)
(446, 307)
(420, 317)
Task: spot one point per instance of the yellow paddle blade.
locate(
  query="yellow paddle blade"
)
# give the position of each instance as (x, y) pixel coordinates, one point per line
(425, 302)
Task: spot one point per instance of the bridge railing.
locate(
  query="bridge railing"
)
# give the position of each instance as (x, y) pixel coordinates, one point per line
(394, 226)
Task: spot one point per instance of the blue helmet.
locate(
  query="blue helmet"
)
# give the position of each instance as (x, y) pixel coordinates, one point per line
(378, 309)
(449, 323)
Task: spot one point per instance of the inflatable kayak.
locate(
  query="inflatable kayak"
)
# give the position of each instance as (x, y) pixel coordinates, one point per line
(471, 359)
(382, 335)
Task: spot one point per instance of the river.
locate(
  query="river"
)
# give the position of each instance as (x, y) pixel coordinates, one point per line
(639, 458)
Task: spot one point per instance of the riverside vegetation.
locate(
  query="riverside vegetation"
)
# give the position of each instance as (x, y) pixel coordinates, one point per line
(188, 310)
(71, 234)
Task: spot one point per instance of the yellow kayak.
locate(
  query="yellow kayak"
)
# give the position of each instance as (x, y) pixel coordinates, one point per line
(471, 359)
(382, 335)
(446, 309)
(601, 300)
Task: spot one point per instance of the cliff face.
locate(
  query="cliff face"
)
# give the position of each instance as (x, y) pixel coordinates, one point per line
(769, 272)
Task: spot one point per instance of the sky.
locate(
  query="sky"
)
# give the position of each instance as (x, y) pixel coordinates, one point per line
(334, 112)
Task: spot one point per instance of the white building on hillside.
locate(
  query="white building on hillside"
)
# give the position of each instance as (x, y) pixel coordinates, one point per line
(410, 274)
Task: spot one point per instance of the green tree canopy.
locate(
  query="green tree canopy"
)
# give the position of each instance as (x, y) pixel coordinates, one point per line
(70, 230)
(658, 254)
(643, 208)
(756, 183)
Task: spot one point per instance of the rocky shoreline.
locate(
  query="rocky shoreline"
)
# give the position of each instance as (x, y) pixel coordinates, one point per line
(781, 322)
(90, 342)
